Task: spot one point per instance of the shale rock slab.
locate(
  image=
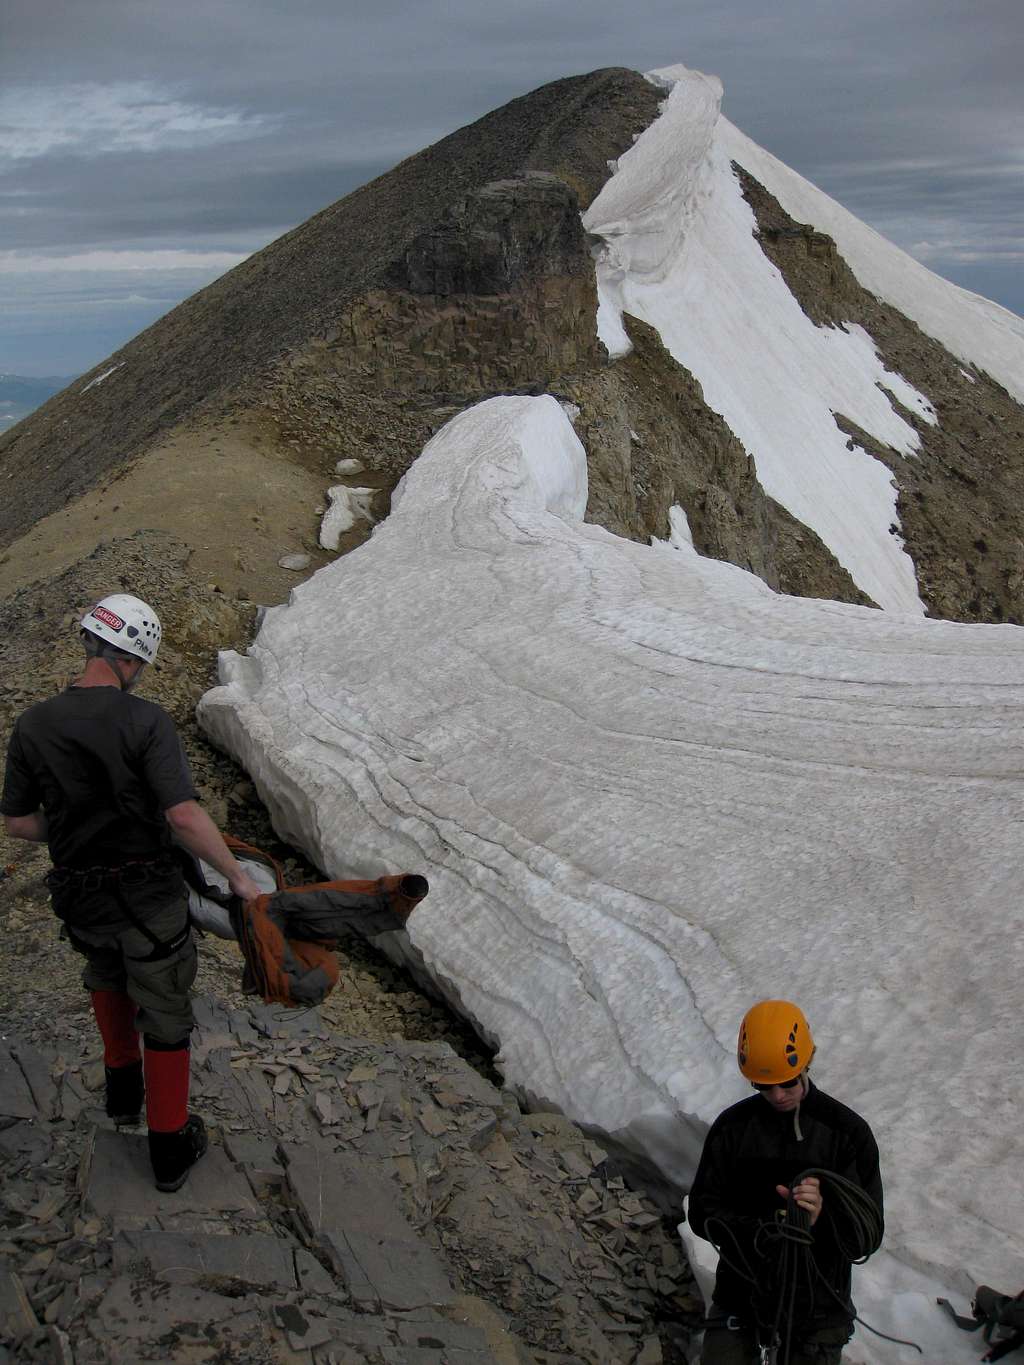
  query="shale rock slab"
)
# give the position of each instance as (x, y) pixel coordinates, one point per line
(360, 1202)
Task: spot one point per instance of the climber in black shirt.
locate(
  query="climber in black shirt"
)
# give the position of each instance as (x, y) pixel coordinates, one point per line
(101, 777)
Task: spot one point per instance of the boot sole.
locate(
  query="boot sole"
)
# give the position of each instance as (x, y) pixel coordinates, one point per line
(169, 1186)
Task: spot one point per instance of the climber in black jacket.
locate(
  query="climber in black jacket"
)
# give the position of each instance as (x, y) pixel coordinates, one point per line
(786, 1238)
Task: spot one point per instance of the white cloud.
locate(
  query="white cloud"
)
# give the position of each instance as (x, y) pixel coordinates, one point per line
(959, 252)
(90, 119)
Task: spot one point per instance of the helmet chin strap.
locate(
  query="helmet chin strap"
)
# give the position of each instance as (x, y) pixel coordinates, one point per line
(130, 684)
(125, 684)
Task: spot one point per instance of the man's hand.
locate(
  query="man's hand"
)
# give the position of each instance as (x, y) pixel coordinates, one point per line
(243, 886)
(807, 1195)
(192, 827)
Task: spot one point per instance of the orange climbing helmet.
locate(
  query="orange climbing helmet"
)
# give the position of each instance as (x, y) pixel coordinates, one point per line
(775, 1042)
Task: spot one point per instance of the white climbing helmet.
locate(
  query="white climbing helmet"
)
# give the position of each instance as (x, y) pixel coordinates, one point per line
(127, 623)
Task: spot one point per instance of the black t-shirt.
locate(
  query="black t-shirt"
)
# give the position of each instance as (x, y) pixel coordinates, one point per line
(104, 765)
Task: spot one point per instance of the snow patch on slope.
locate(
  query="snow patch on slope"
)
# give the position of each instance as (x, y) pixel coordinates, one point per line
(101, 377)
(971, 327)
(647, 790)
(347, 506)
(680, 254)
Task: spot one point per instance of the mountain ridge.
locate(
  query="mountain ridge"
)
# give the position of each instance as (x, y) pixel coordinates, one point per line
(302, 356)
(292, 290)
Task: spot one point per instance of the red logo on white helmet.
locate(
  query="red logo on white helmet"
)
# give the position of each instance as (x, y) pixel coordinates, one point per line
(108, 618)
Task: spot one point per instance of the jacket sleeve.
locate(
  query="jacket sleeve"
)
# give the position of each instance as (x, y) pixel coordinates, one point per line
(869, 1177)
(856, 1236)
(710, 1211)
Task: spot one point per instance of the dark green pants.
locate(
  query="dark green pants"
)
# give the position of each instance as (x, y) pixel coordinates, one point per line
(725, 1347)
(120, 957)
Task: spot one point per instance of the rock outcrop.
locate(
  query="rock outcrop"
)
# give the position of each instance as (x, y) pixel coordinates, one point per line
(499, 294)
(652, 442)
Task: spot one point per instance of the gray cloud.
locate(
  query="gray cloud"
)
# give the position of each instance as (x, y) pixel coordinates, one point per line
(178, 198)
(94, 119)
(217, 125)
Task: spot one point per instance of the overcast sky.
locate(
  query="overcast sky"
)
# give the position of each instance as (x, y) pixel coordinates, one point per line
(148, 145)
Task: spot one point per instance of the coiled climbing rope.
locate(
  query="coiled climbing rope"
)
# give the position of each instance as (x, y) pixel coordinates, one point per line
(789, 1273)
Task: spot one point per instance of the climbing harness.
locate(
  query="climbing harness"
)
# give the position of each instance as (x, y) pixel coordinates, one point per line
(69, 884)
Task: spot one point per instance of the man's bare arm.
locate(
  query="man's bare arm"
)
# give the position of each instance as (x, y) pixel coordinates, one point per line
(32, 827)
(194, 829)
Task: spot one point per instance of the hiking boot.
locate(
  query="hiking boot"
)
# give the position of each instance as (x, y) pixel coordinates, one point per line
(125, 1092)
(173, 1155)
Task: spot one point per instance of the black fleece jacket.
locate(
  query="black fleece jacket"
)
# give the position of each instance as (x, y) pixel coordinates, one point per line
(748, 1151)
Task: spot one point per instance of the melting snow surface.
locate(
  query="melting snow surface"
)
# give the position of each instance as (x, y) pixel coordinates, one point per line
(347, 506)
(680, 254)
(648, 791)
(969, 326)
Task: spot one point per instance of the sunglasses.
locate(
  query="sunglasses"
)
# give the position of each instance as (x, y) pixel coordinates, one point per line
(779, 1085)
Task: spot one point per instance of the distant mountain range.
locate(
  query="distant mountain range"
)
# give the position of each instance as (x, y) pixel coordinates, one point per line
(20, 395)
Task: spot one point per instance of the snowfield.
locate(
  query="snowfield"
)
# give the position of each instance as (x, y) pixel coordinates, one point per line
(648, 791)
(680, 254)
